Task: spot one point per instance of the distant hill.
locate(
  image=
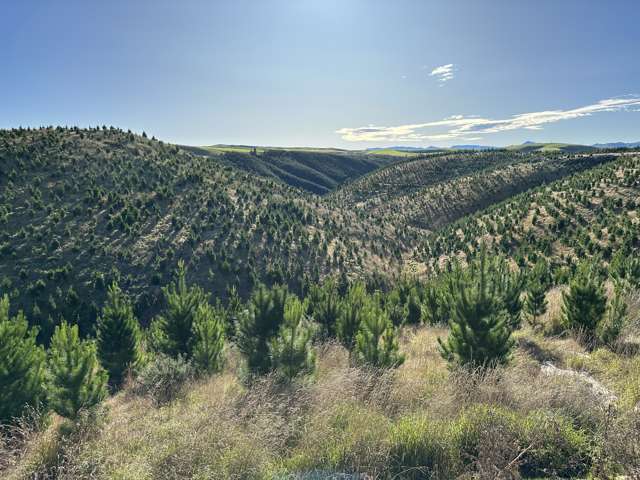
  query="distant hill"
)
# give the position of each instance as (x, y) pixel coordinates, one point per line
(425, 194)
(550, 147)
(317, 170)
(406, 149)
(617, 145)
(473, 147)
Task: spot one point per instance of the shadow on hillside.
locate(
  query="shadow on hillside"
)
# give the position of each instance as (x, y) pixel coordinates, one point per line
(537, 352)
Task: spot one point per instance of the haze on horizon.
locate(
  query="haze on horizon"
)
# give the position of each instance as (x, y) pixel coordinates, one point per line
(350, 74)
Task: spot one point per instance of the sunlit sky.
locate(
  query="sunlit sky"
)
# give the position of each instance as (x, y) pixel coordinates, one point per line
(344, 73)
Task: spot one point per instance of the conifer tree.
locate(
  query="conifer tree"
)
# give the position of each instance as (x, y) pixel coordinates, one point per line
(396, 308)
(22, 364)
(233, 311)
(75, 379)
(350, 314)
(324, 306)
(479, 335)
(376, 343)
(510, 286)
(118, 336)
(208, 332)
(610, 328)
(584, 304)
(414, 308)
(172, 330)
(259, 324)
(435, 309)
(535, 303)
(291, 351)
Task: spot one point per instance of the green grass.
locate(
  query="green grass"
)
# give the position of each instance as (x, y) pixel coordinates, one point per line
(550, 148)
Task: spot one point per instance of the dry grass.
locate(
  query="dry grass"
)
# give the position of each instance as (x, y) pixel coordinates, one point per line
(419, 421)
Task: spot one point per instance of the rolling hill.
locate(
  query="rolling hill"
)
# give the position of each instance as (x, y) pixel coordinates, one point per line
(82, 208)
(315, 170)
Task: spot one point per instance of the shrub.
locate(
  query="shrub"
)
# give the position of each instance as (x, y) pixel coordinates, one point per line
(21, 364)
(163, 378)
(423, 448)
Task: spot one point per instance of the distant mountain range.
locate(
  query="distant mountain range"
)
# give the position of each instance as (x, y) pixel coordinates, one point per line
(528, 146)
(401, 148)
(617, 145)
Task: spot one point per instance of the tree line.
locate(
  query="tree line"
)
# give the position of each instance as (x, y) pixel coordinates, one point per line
(482, 302)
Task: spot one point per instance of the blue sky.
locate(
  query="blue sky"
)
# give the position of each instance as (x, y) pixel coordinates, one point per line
(346, 73)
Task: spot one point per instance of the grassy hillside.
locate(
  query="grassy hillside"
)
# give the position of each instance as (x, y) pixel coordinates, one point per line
(590, 214)
(550, 148)
(408, 200)
(315, 170)
(332, 376)
(81, 208)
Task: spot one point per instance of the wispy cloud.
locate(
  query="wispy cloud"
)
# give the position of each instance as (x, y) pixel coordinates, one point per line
(467, 127)
(443, 73)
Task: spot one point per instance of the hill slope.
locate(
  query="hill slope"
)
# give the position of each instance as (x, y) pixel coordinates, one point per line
(82, 208)
(315, 170)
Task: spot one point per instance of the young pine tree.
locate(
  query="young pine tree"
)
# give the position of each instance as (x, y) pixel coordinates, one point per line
(396, 308)
(480, 335)
(535, 303)
(435, 309)
(324, 306)
(259, 324)
(376, 342)
(584, 305)
(22, 365)
(510, 286)
(291, 350)
(75, 379)
(118, 336)
(172, 330)
(208, 333)
(414, 308)
(610, 328)
(350, 313)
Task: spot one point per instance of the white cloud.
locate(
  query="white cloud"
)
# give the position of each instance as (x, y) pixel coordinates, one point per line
(459, 126)
(443, 73)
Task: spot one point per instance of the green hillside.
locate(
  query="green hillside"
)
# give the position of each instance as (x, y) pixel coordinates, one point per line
(315, 170)
(82, 208)
(550, 148)
(421, 318)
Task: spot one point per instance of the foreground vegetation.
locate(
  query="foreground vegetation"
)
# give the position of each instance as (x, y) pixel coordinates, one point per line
(329, 384)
